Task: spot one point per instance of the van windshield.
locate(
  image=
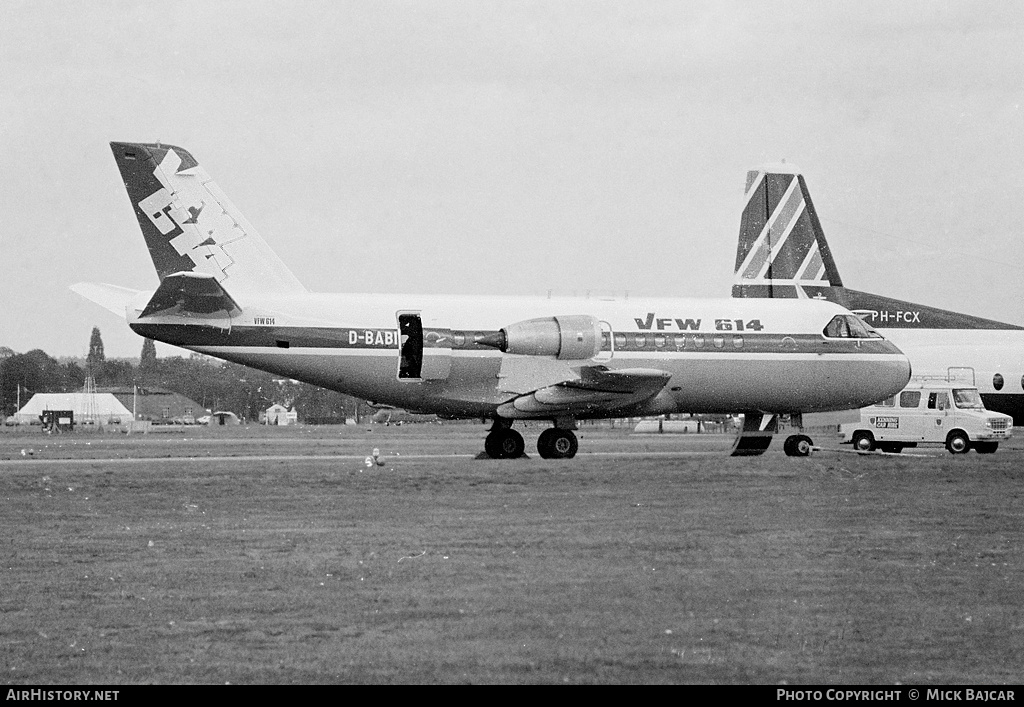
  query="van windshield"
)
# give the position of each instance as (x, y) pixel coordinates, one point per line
(967, 399)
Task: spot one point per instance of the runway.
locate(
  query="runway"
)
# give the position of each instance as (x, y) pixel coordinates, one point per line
(640, 561)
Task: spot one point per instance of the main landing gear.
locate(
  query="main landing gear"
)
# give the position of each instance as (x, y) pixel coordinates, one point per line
(557, 444)
(503, 442)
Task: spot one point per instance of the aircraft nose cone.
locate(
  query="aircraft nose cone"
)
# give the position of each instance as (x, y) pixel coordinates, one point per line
(894, 376)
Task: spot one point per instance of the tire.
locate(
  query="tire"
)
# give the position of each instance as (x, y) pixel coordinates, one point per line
(985, 447)
(957, 442)
(544, 444)
(863, 441)
(504, 444)
(557, 444)
(491, 445)
(797, 446)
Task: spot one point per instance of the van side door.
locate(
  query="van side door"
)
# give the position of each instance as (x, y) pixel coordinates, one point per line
(911, 416)
(938, 406)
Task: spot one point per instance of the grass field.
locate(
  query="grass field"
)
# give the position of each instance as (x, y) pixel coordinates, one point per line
(277, 556)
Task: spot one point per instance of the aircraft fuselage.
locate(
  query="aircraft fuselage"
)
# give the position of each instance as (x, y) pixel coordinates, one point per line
(723, 356)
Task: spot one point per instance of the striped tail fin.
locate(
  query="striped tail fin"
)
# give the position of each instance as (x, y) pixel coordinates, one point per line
(191, 226)
(782, 250)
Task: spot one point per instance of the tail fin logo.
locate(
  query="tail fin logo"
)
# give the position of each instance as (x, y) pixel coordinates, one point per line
(191, 226)
(781, 247)
(179, 206)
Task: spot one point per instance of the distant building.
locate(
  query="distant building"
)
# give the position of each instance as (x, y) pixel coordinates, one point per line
(158, 405)
(280, 415)
(398, 416)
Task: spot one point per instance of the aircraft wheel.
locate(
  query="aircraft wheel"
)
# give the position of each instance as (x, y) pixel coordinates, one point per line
(557, 444)
(863, 441)
(802, 446)
(797, 446)
(504, 444)
(544, 444)
(958, 442)
(986, 447)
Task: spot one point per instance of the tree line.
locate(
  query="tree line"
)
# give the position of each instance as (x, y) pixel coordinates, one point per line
(214, 384)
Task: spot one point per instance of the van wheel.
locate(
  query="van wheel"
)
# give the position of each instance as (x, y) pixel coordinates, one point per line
(986, 447)
(958, 443)
(863, 441)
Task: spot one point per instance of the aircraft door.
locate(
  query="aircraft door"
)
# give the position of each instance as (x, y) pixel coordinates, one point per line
(423, 353)
(607, 347)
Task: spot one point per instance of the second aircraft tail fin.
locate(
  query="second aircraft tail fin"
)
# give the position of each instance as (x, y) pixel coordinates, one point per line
(782, 250)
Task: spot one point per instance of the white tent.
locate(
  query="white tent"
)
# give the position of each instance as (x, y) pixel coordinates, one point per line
(280, 415)
(103, 408)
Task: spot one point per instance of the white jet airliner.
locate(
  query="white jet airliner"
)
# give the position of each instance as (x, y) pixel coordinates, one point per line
(782, 253)
(224, 293)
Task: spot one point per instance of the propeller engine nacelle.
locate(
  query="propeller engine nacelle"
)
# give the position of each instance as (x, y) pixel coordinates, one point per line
(566, 337)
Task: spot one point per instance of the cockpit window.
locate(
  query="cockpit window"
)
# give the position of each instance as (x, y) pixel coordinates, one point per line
(967, 399)
(848, 326)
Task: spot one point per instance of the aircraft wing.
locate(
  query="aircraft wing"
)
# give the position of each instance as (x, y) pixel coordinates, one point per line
(191, 293)
(598, 389)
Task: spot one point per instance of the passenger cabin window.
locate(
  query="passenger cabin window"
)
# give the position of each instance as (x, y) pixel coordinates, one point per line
(620, 341)
(938, 401)
(848, 326)
(997, 381)
(910, 398)
(681, 342)
(640, 340)
(659, 340)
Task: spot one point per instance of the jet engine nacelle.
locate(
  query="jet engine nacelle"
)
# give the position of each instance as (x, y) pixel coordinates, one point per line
(567, 337)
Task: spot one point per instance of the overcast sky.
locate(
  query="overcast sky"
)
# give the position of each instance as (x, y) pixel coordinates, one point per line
(514, 147)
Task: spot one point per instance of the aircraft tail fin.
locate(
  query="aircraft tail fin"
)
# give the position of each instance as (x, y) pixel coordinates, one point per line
(782, 250)
(191, 226)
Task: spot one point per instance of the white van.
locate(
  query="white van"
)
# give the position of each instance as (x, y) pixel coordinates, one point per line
(929, 412)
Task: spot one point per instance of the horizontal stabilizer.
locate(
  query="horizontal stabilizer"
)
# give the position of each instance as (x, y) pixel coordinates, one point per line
(191, 293)
(111, 297)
